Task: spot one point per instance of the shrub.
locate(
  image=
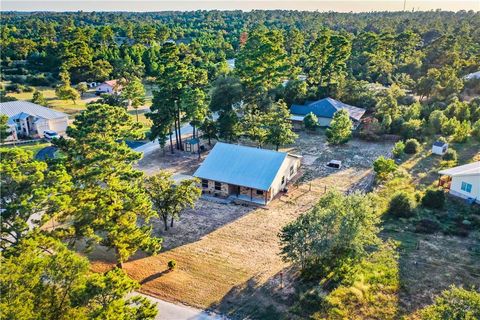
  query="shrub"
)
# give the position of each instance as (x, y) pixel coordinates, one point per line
(412, 146)
(398, 149)
(455, 303)
(401, 205)
(172, 264)
(383, 167)
(434, 198)
(310, 121)
(412, 128)
(450, 155)
(449, 126)
(462, 132)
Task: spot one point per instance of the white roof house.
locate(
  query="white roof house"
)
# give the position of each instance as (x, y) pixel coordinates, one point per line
(473, 75)
(465, 181)
(31, 120)
(247, 173)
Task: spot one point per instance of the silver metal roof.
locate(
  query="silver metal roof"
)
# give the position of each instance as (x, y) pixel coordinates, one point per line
(465, 170)
(13, 108)
(241, 165)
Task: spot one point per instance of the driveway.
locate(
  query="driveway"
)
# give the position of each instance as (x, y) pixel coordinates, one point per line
(172, 311)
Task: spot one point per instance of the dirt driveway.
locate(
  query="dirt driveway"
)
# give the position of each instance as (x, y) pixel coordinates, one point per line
(228, 255)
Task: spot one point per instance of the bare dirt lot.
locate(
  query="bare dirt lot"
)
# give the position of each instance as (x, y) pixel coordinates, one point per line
(228, 255)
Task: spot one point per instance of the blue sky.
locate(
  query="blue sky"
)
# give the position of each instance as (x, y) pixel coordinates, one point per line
(184, 5)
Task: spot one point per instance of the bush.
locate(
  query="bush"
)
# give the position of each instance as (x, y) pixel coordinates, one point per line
(172, 264)
(383, 167)
(454, 303)
(434, 198)
(39, 80)
(398, 149)
(412, 128)
(310, 121)
(462, 132)
(412, 146)
(401, 205)
(450, 155)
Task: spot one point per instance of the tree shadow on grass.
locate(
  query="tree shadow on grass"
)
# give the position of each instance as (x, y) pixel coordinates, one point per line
(255, 299)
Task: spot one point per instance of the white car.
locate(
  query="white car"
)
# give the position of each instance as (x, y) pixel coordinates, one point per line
(50, 135)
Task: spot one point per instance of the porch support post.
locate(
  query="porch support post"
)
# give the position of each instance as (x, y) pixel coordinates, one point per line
(251, 194)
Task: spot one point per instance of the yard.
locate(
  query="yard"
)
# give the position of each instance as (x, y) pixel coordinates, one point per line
(227, 254)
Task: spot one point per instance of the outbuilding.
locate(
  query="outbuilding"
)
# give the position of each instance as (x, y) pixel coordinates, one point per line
(247, 173)
(439, 147)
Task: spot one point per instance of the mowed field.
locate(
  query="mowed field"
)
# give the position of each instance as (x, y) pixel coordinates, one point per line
(228, 255)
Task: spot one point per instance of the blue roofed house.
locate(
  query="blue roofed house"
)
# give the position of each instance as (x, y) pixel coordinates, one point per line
(324, 109)
(246, 173)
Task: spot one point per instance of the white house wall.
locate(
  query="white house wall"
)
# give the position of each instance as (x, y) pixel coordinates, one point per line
(58, 125)
(284, 171)
(456, 186)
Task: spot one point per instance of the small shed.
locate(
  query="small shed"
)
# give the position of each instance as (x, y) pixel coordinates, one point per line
(439, 147)
(336, 164)
(192, 145)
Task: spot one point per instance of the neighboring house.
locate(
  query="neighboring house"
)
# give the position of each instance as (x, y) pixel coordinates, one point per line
(474, 75)
(109, 87)
(324, 109)
(246, 173)
(439, 148)
(463, 181)
(31, 120)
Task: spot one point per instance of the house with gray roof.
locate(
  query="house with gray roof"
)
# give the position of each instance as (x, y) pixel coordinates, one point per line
(27, 119)
(325, 109)
(246, 173)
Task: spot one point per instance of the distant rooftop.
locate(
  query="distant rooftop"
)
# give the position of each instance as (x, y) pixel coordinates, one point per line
(241, 165)
(326, 108)
(20, 109)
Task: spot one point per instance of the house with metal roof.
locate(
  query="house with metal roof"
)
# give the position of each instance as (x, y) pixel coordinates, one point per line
(462, 181)
(27, 119)
(325, 109)
(246, 173)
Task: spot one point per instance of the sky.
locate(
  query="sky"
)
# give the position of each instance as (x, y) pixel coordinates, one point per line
(246, 5)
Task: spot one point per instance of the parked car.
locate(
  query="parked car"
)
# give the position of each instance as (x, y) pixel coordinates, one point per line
(50, 135)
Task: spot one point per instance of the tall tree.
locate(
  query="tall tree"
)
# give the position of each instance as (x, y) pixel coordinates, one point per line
(110, 201)
(38, 98)
(262, 63)
(65, 91)
(280, 128)
(169, 198)
(175, 77)
(134, 93)
(31, 193)
(42, 279)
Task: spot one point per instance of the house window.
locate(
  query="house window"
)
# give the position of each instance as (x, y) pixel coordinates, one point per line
(291, 171)
(218, 185)
(283, 179)
(260, 192)
(204, 183)
(467, 187)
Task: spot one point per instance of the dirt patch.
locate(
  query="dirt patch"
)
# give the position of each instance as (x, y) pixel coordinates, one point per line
(179, 163)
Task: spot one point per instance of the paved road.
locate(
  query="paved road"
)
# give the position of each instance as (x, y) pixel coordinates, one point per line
(172, 311)
(186, 130)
